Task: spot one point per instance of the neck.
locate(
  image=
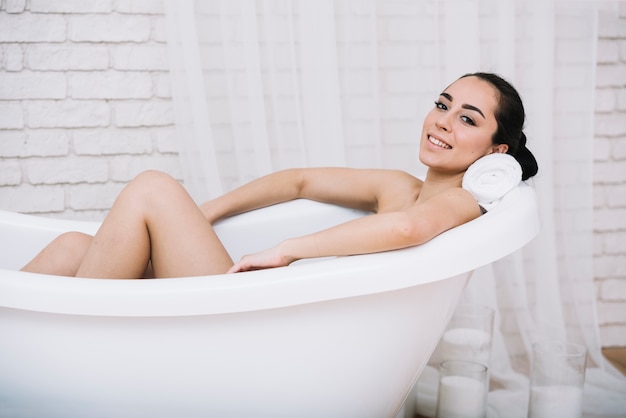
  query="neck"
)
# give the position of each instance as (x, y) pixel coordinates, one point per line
(437, 182)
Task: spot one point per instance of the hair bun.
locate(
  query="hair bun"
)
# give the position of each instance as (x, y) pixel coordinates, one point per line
(526, 159)
(522, 140)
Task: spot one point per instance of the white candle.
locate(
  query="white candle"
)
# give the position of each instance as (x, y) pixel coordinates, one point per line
(461, 397)
(555, 401)
(468, 344)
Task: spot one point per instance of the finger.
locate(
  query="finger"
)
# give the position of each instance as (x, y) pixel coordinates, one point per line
(236, 268)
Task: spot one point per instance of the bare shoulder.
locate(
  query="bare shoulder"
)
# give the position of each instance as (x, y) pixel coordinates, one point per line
(401, 181)
(397, 190)
(442, 211)
(397, 178)
(456, 203)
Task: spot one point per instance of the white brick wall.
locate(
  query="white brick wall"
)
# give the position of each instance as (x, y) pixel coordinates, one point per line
(610, 178)
(85, 105)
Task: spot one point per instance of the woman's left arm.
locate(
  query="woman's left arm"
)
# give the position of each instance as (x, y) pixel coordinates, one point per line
(373, 233)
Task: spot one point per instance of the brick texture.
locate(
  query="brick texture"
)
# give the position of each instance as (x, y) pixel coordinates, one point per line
(610, 179)
(84, 103)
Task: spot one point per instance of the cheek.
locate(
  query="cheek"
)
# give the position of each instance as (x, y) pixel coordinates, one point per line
(430, 118)
(479, 141)
(425, 126)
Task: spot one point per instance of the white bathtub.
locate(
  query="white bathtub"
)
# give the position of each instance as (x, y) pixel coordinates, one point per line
(338, 338)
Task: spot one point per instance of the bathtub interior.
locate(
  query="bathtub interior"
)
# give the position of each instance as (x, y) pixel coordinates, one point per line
(504, 229)
(27, 234)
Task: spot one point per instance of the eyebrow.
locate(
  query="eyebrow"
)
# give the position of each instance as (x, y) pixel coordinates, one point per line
(464, 106)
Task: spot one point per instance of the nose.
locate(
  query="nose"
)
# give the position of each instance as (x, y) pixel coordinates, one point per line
(443, 122)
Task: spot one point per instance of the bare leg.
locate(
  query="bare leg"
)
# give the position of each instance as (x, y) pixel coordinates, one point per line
(62, 256)
(154, 220)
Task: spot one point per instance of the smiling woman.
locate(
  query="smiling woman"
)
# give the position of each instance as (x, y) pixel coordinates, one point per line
(478, 109)
(156, 230)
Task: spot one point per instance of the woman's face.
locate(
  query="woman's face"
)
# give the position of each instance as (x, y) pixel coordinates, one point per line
(460, 127)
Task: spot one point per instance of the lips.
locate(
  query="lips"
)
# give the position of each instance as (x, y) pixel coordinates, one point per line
(438, 142)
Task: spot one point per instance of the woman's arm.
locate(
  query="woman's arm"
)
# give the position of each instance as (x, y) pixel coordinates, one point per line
(375, 233)
(357, 188)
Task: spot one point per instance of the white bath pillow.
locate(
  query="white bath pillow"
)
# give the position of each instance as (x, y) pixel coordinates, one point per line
(490, 177)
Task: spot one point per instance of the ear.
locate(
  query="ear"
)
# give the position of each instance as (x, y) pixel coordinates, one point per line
(500, 148)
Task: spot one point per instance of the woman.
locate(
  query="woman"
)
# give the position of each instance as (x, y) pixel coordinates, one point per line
(155, 229)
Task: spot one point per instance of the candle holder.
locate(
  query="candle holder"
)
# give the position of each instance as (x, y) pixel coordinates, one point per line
(467, 337)
(556, 380)
(462, 390)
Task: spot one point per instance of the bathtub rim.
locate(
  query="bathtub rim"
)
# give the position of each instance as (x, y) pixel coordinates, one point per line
(310, 282)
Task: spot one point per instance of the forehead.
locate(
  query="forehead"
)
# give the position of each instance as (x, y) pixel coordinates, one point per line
(474, 91)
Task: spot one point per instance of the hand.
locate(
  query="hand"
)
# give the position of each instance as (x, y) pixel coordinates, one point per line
(270, 258)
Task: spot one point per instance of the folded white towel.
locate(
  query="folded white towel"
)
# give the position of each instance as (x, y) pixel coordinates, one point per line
(491, 177)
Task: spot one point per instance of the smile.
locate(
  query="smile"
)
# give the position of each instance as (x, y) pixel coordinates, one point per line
(438, 142)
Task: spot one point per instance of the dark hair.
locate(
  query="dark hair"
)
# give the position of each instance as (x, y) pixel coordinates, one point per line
(510, 117)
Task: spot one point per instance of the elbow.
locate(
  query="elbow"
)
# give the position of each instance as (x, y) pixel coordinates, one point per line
(303, 181)
(410, 232)
(292, 182)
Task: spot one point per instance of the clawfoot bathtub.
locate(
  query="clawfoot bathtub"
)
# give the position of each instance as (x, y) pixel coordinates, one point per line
(336, 337)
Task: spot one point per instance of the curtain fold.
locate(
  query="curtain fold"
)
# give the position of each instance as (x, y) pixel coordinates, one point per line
(196, 145)
(320, 84)
(263, 85)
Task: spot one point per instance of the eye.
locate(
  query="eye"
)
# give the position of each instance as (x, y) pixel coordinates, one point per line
(441, 106)
(468, 120)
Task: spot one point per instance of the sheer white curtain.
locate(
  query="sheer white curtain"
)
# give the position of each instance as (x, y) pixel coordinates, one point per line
(262, 85)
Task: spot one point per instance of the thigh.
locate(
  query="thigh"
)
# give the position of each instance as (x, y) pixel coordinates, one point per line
(183, 242)
(154, 225)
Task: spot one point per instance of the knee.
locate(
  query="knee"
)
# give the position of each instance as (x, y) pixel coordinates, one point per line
(72, 242)
(152, 188)
(62, 256)
(154, 181)
(152, 176)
